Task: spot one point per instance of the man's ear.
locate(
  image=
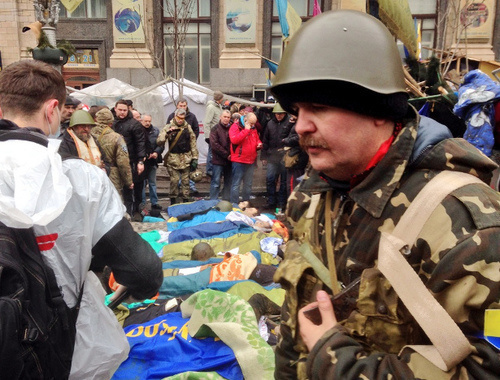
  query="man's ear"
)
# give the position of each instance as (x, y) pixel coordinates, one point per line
(53, 111)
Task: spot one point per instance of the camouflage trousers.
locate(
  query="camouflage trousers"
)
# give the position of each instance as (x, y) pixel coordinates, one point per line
(175, 175)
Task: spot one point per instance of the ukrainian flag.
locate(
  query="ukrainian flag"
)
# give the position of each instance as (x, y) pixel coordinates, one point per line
(290, 21)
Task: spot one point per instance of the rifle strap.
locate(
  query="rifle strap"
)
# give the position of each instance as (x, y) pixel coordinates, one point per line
(450, 346)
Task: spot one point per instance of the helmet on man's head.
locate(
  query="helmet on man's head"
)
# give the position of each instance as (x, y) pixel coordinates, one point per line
(81, 117)
(196, 175)
(345, 59)
(278, 109)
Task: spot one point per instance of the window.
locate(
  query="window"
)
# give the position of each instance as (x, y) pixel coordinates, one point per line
(425, 12)
(87, 9)
(197, 45)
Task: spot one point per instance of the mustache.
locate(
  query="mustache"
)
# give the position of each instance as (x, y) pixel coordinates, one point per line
(310, 141)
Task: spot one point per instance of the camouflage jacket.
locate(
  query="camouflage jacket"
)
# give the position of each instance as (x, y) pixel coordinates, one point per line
(456, 256)
(178, 161)
(115, 149)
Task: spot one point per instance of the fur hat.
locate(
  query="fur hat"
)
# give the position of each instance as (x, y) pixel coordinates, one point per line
(104, 116)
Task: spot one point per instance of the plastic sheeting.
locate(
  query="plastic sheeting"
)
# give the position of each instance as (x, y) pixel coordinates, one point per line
(108, 92)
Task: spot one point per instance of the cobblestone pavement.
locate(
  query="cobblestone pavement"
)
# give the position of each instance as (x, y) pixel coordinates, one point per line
(203, 187)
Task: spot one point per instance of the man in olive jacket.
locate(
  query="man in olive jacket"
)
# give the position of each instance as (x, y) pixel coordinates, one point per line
(371, 154)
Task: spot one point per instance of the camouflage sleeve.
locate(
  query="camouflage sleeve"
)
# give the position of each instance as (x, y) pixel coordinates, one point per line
(123, 162)
(286, 355)
(162, 137)
(465, 281)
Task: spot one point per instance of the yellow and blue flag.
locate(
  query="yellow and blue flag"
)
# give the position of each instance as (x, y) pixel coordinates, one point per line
(290, 21)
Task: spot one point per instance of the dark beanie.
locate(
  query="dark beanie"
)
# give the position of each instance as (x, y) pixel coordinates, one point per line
(343, 95)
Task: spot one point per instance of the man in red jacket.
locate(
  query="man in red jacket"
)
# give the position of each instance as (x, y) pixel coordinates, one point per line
(245, 143)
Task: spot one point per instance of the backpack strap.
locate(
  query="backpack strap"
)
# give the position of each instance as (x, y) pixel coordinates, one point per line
(450, 346)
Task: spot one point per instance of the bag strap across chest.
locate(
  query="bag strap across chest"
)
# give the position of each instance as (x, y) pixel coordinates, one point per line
(450, 346)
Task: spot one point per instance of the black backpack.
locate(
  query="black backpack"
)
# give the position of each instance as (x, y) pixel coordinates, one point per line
(37, 329)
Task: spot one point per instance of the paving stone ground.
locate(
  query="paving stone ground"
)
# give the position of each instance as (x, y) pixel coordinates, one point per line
(258, 188)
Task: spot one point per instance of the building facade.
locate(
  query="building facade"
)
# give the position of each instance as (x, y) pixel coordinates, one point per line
(225, 40)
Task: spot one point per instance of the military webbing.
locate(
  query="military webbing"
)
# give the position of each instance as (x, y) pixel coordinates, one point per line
(450, 346)
(177, 136)
(329, 213)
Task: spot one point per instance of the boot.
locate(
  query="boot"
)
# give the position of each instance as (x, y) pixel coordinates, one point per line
(172, 201)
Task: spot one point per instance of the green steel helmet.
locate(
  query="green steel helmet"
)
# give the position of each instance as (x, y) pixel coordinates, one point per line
(345, 59)
(81, 117)
(196, 175)
(278, 109)
(225, 206)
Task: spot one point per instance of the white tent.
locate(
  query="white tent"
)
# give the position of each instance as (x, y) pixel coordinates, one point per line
(106, 93)
(157, 100)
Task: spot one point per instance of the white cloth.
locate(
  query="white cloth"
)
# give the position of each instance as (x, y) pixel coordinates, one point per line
(74, 204)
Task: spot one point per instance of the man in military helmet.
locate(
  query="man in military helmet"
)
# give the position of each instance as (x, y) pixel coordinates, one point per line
(371, 154)
(77, 140)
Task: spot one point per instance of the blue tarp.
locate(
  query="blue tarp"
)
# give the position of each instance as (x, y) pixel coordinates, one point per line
(210, 216)
(186, 208)
(208, 230)
(476, 97)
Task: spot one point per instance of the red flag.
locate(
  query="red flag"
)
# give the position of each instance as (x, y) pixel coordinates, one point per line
(316, 9)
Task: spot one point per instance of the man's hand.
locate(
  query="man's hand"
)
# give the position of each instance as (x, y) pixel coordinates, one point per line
(131, 186)
(310, 332)
(264, 162)
(153, 155)
(259, 146)
(140, 167)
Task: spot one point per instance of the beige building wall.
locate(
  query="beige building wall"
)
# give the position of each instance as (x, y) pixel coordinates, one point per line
(14, 44)
(474, 47)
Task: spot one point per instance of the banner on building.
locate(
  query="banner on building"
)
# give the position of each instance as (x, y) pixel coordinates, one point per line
(71, 5)
(241, 21)
(128, 16)
(477, 19)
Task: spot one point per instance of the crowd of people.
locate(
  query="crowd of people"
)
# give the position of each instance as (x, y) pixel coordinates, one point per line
(124, 143)
(392, 263)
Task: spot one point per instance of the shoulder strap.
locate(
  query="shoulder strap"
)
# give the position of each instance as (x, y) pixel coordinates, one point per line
(177, 136)
(450, 346)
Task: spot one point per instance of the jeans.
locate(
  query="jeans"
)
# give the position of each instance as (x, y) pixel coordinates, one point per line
(132, 197)
(215, 183)
(151, 181)
(209, 167)
(275, 171)
(241, 173)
